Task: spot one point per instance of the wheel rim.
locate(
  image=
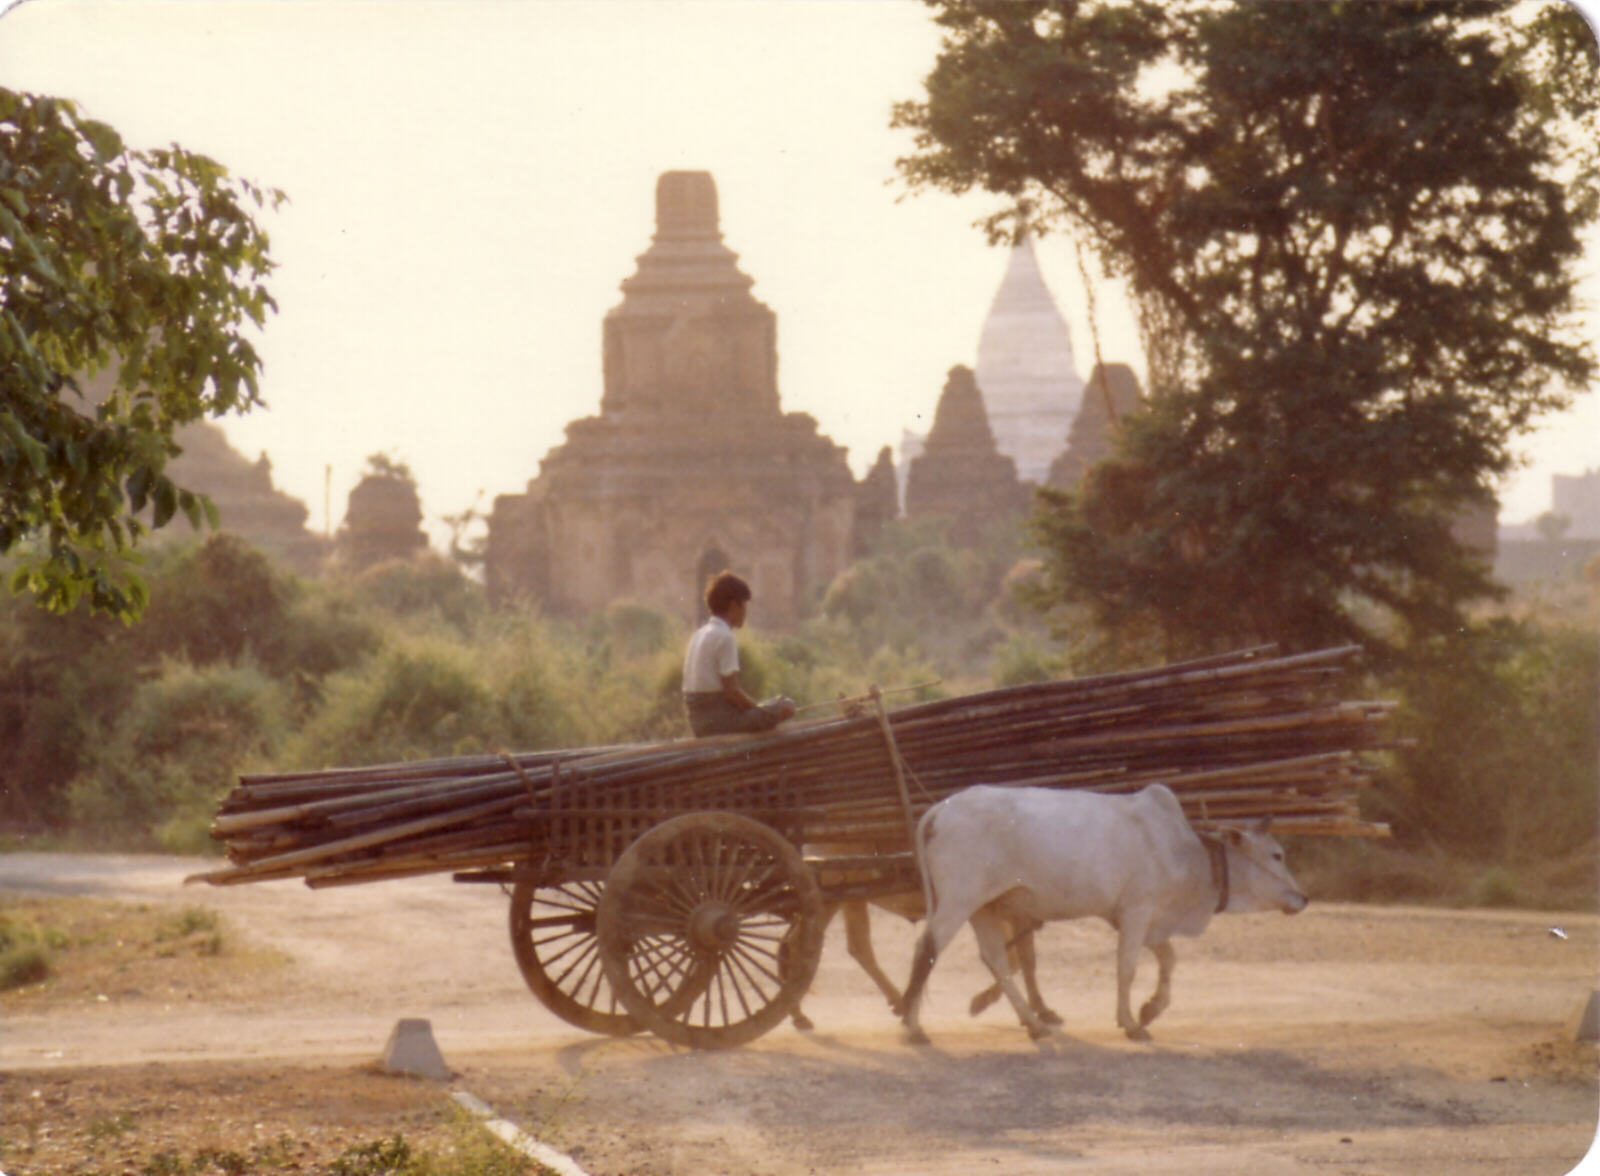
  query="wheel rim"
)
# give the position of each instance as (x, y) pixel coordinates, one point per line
(553, 937)
(710, 928)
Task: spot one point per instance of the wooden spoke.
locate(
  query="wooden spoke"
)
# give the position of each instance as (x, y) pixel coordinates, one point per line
(553, 936)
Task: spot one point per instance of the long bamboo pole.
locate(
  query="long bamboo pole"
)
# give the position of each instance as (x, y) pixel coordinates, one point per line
(1245, 735)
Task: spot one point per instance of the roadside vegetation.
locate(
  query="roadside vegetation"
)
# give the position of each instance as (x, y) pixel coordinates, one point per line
(125, 737)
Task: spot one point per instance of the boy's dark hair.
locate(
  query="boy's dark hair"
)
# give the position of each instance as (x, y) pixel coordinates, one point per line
(724, 590)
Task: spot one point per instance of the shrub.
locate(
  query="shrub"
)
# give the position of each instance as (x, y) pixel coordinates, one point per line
(425, 585)
(23, 955)
(190, 920)
(411, 701)
(23, 965)
(1495, 887)
(214, 602)
(58, 675)
(540, 686)
(1019, 659)
(932, 583)
(1360, 869)
(323, 632)
(856, 594)
(503, 686)
(177, 748)
(639, 700)
(1506, 742)
(640, 630)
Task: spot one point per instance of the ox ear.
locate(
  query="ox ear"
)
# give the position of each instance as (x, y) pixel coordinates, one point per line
(1232, 836)
(1263, 826)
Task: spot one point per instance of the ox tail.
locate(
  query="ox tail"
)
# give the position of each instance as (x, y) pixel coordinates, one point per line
(925, 952)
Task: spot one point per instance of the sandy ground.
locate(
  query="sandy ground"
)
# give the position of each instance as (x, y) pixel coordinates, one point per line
(1348, 1040)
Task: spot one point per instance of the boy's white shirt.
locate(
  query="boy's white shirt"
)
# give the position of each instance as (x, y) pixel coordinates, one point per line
(713, 655)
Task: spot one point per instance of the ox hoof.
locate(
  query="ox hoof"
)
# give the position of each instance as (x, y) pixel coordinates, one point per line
(917, 1037)
(1050, 1017)
(982, 1001)
(1138, 1033)
(1038, 1032)
(801, 1021)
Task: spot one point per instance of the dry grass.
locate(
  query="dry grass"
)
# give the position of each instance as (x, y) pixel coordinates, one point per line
(208, 1119)
(73, 949)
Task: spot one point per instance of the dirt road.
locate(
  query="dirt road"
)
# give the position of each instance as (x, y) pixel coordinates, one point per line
(1347, 1040)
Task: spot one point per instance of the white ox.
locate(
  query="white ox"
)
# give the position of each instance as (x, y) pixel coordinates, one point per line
(1032, 855)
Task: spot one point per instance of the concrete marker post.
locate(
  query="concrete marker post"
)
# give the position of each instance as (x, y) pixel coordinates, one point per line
(412, 1050)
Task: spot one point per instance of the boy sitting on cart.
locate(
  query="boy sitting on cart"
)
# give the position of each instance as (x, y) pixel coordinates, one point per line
(715, 701)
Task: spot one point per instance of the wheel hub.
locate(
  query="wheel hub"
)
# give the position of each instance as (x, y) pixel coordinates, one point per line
(714, 926)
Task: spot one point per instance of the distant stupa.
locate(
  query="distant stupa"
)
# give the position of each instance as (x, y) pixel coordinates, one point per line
(1030, 381)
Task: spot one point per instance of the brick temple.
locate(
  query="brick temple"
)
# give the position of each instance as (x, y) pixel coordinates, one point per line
(691, 465)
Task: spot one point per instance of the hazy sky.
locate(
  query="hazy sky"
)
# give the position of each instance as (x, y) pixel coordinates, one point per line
(470, 182)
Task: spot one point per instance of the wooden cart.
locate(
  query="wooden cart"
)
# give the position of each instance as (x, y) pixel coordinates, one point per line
(682, 888)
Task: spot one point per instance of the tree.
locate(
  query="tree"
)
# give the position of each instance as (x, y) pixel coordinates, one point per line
(1350, 231)
(143, 271)
(1551, 525)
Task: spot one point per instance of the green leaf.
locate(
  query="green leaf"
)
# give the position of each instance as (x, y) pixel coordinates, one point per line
(166, 502)
(107, 143)
(138, 488)
(189, 503)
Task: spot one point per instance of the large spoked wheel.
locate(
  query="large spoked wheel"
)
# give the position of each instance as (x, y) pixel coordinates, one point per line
(553, 936)
(710, 929)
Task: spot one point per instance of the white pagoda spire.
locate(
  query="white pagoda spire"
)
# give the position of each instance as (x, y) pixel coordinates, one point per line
(1026, 370)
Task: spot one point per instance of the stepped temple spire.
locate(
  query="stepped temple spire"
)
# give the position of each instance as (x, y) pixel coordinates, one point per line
(1110, 395)
(1026, 368)
(688, 335)
(960, 475)
(691, 466)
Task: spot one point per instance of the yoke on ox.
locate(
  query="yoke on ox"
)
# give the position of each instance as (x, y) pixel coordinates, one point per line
(1032, 855)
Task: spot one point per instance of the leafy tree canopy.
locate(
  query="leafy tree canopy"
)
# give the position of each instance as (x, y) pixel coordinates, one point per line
(1350, 231)
(129, 282)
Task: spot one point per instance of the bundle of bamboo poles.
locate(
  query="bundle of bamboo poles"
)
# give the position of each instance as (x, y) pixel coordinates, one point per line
(1237, 737)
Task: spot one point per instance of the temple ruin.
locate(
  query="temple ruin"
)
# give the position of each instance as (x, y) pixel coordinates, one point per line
(960, 476)
(1110, 395)
(248, 504)
(692, 465)
(382, 520)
